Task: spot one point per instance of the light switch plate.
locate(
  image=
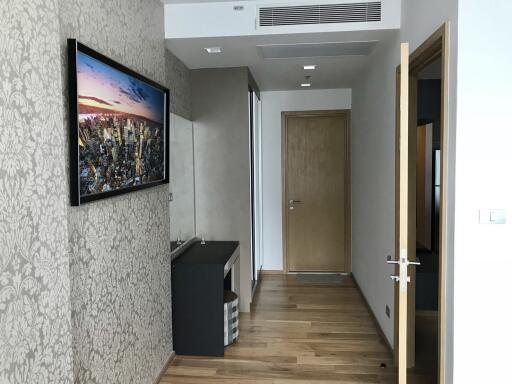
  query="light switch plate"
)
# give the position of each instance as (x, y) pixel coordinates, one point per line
(493, 216)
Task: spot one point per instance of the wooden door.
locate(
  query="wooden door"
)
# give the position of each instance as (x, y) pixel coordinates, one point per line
(435, 47)
(403, 208)
(406, 217)
(316, 198)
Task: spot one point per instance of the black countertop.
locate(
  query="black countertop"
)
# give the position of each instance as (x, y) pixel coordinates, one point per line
(213, 252)
(175, 245)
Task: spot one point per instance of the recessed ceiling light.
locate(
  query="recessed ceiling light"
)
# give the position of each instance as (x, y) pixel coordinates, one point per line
(305, 85)
(213, 50)
(309, 67)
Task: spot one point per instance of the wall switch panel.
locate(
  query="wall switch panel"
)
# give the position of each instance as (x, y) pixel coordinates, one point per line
(493, 216)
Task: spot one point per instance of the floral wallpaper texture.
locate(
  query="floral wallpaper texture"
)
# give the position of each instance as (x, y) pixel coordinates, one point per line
(35, 336)
(85, 292)
(120, 247)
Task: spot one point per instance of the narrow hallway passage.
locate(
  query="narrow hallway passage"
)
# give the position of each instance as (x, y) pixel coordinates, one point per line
(297, 333)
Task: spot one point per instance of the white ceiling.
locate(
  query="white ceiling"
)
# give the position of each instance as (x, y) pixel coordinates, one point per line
(279, 74)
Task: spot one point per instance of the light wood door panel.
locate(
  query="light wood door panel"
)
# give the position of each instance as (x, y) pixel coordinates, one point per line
(404, 208)
(316, 177)
(435, 47)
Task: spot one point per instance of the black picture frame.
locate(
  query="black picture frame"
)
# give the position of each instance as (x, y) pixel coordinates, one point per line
(74, 47)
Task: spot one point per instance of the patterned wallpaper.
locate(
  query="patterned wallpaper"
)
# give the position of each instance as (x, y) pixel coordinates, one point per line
(35, 337)
(120, 289)
(119, 247)
(85, 292)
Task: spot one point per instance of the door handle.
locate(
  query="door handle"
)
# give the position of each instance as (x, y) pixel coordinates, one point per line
(390, 261)
(291, 202)
(396, 278)
(403, 263)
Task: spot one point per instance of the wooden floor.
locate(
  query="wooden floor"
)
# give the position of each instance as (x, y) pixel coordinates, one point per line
(297, 333)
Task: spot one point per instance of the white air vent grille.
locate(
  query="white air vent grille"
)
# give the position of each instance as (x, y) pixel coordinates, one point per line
(320, 14)
(287, 51)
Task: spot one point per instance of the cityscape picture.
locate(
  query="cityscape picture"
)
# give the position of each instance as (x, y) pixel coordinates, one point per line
(121, 129)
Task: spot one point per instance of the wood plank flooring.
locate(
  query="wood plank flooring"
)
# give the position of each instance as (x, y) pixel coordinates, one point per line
(295, 333)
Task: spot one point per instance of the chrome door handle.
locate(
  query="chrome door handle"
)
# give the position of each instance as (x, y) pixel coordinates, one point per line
(294, 201)
(390, 261)
(403, 263)
(396, 279)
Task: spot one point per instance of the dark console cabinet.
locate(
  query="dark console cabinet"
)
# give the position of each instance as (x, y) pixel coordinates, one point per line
(199, 276)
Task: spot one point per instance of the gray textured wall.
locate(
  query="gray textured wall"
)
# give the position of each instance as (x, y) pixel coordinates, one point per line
(181, 182)
(222, 168)
(178, 81)
(35, 338)
(119, 247)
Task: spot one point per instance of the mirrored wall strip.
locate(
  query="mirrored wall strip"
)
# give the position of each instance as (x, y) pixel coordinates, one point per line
(194, 177)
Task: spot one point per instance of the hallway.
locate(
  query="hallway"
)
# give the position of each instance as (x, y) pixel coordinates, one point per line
(297, 333)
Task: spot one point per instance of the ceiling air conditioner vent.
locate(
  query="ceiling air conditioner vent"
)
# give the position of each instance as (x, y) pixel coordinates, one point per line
(320, 14)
